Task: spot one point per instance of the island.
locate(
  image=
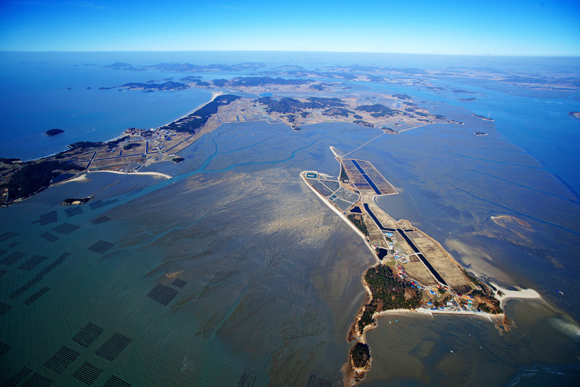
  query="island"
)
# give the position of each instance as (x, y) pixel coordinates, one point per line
(483, 117)
(478, 133)
(155, 86)
(187, 67)
(53, 132)
(76, 201)
(413, 273)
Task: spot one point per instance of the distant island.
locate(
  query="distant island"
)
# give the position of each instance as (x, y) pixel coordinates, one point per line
(187, 67)
(478, 133)
(459, 91)
(195, 81)
(468, 99)
(53, 132)
(483, 118)
(75, 201)
(155, 86)
(402, 96)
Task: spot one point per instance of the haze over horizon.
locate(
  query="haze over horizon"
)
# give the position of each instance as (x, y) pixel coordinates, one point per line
(515, 28)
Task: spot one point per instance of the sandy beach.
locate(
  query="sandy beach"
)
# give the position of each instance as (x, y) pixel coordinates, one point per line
(214, 95)
(158, 174)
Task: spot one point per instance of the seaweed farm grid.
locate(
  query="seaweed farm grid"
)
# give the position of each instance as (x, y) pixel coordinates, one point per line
(365, 177)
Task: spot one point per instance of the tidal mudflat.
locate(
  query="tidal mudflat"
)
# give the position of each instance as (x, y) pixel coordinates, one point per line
(232, 272)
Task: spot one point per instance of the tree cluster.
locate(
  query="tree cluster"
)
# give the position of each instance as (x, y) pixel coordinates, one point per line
(377, 110)
(360, 355)
(388, 292)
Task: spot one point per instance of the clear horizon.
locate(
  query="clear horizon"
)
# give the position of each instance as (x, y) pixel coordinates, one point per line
(494, 28)
(291, 51)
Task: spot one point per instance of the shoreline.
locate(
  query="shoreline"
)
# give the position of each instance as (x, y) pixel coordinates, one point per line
(215, 94)
(340, 214)
(158, 174)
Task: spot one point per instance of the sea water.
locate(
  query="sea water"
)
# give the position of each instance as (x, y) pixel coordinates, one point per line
(35, 98)
(273, 276)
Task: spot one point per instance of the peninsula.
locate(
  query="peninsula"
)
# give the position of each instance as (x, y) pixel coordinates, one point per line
(128, 153)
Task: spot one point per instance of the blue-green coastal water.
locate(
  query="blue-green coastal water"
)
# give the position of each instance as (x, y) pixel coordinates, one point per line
(272, 276)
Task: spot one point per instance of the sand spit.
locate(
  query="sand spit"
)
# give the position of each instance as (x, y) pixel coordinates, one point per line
(78, 179)
(508, 221)
(158, 174)
(515, 294)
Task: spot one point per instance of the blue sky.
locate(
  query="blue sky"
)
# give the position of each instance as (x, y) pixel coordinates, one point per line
(467, 27)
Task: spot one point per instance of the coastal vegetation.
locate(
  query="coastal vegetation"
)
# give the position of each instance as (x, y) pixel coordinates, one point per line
(131, 146)
(31, 178)
(292, 105)
(360, 355)
(91, 144)
(343, 175)
(8, 161)
(283, 105)
(388, 292)
(364, 123)
(377, 110)
(359, 223)
(198, 118)
(337, 112)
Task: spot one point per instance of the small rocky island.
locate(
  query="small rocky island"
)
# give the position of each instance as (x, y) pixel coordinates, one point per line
(76, 201)
(53, 132)
(483, 117)
(478, 133)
